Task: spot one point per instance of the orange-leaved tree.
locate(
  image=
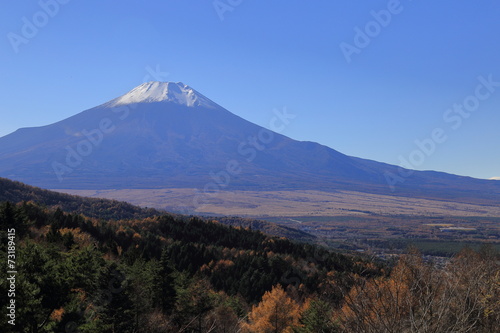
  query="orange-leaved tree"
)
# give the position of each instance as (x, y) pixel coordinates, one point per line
(276, 313)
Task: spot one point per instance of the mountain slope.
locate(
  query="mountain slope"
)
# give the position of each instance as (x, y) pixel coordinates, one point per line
(165, 135)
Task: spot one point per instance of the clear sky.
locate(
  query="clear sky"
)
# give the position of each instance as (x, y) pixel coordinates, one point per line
(367, 78)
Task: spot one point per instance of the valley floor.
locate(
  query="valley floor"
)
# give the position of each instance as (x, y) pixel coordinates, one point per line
(379, 224)
(288, 203)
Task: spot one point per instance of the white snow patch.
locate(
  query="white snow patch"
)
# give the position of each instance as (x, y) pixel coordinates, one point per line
(175, 92)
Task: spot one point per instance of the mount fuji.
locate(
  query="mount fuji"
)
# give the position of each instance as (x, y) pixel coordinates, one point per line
(168, 135)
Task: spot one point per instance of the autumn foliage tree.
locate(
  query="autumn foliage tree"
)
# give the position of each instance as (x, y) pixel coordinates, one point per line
(276, 313)
(420, 297)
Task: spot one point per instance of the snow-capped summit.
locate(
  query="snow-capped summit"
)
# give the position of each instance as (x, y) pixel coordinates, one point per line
(176, 92)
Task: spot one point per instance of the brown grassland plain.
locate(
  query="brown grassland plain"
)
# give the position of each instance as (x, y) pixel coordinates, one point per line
(289, 203)
(336, 216)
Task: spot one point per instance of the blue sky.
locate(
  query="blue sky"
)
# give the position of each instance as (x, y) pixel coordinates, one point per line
(413, 64)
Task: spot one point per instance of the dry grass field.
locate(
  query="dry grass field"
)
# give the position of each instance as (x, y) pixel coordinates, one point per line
(345, 219)
(289, 203)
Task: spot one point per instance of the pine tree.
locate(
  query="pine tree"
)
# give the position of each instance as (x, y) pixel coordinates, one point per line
(317, 318)
(165, 283)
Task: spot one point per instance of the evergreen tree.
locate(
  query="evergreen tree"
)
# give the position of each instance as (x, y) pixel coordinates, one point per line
(317, 318)
(42, 286)
(165, 283)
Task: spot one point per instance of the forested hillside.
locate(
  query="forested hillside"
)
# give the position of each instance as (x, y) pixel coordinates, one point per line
(107, 209)
(13, 191)
(169, 273)
(122, 275)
